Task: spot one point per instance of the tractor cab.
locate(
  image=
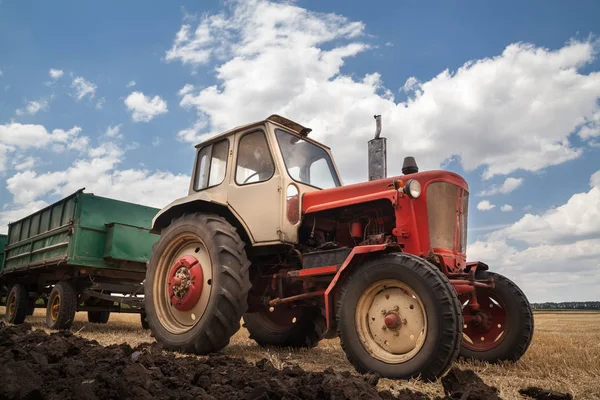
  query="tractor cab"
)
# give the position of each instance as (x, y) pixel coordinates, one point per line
(257, 173)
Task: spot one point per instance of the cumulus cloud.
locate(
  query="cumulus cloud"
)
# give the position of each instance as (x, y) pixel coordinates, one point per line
(553, 255)
(463, 113)
(114, 131)
(33, 107)
(143, 108)
(485, 205)
(98, 172)
(100, 103)
(595, 179)
(55, 73)
(508, 186)
(506, 208)
(83, 88)
(16, 136)
(22, 163)
(131, 84)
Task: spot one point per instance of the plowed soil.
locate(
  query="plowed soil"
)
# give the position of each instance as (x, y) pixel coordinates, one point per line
(35, 365)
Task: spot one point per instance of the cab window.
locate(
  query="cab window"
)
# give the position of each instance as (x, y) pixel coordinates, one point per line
(254, 161)
(211, 165)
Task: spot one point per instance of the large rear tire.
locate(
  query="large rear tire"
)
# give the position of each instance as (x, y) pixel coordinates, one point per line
(506, 327)
(287, 327)
(197, 284)
(399, 317)
(17, 304)
(62, 306)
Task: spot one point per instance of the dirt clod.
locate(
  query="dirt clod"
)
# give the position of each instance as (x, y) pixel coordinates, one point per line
(543, 394)
(466, 385)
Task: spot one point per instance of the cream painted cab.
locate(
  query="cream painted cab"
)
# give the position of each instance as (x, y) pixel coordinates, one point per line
(258, 172)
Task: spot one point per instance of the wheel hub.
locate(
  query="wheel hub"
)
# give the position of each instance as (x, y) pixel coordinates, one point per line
(185, 283)
(392, 320)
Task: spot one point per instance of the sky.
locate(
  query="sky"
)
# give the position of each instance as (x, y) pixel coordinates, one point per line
(113, 96)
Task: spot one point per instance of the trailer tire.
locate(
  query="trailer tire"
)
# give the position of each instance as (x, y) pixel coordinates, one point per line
(62, 306)
(98, 317)
(17, 304)
(509, 322)
(286, 327)
(220, 254)
(399, 317)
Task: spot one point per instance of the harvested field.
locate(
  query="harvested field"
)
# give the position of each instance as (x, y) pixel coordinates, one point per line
(564, 356)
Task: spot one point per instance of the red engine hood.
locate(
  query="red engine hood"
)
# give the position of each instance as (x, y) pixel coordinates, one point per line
(342, 193)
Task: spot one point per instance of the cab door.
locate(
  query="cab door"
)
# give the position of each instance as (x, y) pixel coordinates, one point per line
(255, 185)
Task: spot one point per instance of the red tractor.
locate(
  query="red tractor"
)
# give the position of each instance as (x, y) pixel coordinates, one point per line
(269, 234)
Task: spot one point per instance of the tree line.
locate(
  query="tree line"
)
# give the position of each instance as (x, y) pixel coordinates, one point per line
(569, 305)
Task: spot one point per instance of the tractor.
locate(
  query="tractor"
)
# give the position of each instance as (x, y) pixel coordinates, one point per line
(268, 234)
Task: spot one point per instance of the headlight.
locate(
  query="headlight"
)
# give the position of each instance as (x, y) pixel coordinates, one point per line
(412, 188)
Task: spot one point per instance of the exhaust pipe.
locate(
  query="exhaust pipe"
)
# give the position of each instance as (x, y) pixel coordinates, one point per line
(377, 153)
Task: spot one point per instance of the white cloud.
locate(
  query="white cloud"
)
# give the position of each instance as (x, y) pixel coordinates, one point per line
(143, 107)
(1, 73)
(114, 132)
(554, 255)
(15, 213)
(100, 103)
(98, 172)
(508, 186)
(131, 84)
(464, 113)
(33, 107)
(186, 89)
(55, 73)
(485, 205)
(25, 163)
(410, 85)
(595, 179)
(15, 136)
(506, 208)
(83, 88)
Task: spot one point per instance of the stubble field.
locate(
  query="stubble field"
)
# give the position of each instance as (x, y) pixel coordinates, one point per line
(564, 354)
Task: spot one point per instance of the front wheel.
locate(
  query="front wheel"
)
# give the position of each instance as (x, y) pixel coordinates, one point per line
(503, 327)
(197, 284)
(17, 304)
(399, 317)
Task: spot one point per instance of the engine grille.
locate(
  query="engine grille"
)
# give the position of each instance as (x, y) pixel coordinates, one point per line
(447, 210)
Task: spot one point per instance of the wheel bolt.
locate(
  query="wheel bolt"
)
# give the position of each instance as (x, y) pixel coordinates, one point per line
(404, 321)
(383, 328)
(396, 308)
(382, 312)
(396, 333)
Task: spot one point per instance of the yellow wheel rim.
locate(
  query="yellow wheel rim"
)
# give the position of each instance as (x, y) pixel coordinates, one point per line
(391, 321)
(55, 307)
(12, 304)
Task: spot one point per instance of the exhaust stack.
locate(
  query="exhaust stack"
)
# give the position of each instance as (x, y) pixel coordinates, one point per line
(377, 153)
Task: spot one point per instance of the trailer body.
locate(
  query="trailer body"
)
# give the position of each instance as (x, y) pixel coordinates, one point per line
(3, 239)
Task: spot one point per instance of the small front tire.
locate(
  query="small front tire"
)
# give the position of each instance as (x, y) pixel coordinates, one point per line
(399, 317)
(17, 304)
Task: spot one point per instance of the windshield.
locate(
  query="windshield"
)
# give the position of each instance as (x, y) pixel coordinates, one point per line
(306, 162)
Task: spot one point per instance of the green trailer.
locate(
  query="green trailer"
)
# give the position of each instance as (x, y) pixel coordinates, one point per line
(82, 253)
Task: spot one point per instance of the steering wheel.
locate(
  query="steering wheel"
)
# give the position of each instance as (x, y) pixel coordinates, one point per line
(246, 180)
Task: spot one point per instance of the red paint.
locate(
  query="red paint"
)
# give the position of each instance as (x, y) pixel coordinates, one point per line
(356, 230)
(332, 269)
(189, 300)
(328, 298)
(487, 323)
(392, 321)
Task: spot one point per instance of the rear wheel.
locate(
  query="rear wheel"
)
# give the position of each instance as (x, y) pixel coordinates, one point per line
(62, 306)
(399, 317)
(287, 326)
(17, 304)
(197, 284)
(503, 327)
(99, 317)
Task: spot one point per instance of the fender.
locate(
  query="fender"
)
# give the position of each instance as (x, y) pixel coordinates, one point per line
(204, 203)
(353, 258)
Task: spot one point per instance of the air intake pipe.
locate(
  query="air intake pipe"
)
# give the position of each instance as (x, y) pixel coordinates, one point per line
(377, 153)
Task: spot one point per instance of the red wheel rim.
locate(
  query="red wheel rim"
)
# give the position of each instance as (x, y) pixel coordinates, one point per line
(487, 331)
(185, 283)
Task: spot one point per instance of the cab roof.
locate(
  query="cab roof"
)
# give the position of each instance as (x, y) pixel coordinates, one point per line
(274, 118)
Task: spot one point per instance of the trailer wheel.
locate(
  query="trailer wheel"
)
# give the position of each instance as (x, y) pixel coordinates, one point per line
(286, 326)
(504, 327)
(62, 305)
(197, 284)
(144, 320)
(17, 304)
(399, 317)
(98, 317)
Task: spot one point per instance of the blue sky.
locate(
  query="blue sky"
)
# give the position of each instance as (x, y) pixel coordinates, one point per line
(517, 105)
